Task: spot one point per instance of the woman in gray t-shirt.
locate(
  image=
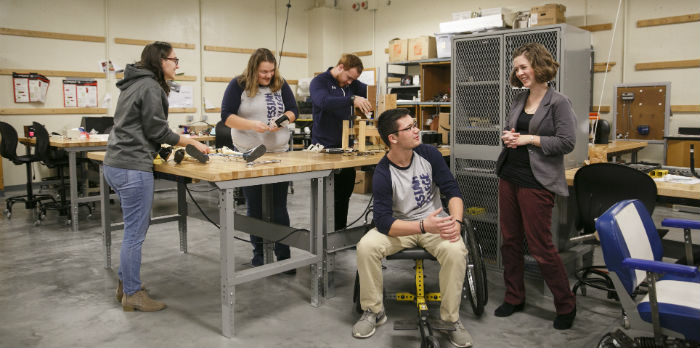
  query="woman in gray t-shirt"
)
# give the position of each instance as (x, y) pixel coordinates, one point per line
(252, 104)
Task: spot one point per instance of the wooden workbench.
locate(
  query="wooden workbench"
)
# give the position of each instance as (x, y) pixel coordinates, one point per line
(228, 173)
(604, 152)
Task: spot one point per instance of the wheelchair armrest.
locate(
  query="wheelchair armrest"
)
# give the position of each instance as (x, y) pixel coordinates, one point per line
(681, 223)
(661, 267)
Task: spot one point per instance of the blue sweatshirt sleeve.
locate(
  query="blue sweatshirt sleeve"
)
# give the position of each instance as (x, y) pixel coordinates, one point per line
(321, 98)
(441, 172)
(290, 103)
(358, 88)
(383, 197)
(232, 99)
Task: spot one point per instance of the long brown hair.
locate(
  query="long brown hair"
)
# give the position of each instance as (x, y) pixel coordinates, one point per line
(248, 80)
(151, 60)
(541, 61)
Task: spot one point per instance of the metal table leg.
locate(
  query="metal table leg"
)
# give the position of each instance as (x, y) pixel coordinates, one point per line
(228, 288)
(182, 213)
(106, 218)
(73, 174)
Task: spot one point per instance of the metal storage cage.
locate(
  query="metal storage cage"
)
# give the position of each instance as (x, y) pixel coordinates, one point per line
(481, 97)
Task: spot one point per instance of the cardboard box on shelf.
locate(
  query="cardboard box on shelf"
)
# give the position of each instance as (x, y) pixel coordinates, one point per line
(363, 182)
(398, 50)
(422, 47)
(547, 14)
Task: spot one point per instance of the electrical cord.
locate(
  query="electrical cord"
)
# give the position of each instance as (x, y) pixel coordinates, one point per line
(284, 36)
(241, 239)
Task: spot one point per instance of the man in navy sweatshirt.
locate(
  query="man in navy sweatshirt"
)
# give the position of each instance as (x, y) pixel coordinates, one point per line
(334, 94)
(408, 212)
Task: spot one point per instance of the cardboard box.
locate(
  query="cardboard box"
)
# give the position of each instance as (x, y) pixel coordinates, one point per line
(422, 47)
(547, 14)
(444, 45)
(398, 50)
(363, 182)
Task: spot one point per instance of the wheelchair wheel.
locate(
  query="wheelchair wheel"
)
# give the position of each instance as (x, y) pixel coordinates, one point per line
(475, 287)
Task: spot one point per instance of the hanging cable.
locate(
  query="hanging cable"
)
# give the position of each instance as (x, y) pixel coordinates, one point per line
(605, 76)
(284, 36)
(241, 239)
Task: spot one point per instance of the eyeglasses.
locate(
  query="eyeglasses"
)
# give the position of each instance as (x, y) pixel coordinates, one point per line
(409, 128)
(176, 60)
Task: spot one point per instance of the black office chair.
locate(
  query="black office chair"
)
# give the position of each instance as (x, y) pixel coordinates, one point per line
(8, 149)
(474, 289)
(55, 158)
(597, 187)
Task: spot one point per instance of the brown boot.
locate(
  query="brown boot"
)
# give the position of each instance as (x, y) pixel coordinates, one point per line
(140, 301)
(120, 291)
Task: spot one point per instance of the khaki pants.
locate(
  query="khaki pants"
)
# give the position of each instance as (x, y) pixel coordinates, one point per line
(375, 246)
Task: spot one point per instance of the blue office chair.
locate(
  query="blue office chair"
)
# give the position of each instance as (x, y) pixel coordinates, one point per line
(632, 251)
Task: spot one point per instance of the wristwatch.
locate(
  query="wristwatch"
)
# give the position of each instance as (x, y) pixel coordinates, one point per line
(352, 99)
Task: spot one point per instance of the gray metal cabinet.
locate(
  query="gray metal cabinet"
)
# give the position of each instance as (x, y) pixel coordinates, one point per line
(481, 97)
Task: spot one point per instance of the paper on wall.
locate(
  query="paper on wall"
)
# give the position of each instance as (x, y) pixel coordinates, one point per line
(181, 99)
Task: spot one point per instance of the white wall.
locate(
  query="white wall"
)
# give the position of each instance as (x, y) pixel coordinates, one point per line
(315, 28)
(239, 23)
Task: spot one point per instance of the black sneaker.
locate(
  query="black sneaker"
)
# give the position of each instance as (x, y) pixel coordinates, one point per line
(254, 153)
(196, 154)
(507, 309)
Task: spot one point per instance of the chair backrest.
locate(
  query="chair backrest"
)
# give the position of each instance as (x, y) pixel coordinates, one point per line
(98, 123)
(598, 186)
(627, 230)
(41, 148)
(223, 136)
(8, 143)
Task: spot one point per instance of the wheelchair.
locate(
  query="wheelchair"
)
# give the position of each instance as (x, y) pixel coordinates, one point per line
(474, 289)
(633, 254)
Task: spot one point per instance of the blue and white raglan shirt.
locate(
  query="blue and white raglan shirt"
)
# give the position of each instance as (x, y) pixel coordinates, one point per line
(411, 193)
(264, 106)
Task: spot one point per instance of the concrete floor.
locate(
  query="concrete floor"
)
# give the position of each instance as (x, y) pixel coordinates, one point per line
(54, 291)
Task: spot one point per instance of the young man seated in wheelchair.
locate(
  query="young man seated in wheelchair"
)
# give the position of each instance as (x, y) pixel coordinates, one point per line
(408, 212)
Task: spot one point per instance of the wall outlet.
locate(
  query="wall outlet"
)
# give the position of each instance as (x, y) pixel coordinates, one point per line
(189, 118)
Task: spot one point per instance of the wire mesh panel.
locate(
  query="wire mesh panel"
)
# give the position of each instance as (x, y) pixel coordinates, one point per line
(477, 71)
(550, 40)
(479, 187)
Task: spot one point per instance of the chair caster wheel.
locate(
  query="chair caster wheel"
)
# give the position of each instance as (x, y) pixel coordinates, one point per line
(432, 342)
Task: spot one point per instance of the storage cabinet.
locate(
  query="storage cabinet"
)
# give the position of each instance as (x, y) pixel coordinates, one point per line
(481, 98)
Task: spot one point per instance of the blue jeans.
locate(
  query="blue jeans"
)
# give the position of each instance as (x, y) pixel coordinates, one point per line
(135, 190)
(280, 216)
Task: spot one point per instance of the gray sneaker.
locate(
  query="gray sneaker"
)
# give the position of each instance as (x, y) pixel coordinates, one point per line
(460, 337)
(365, 327)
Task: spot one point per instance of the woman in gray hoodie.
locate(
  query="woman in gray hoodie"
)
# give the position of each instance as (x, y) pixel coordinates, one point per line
(140, 126)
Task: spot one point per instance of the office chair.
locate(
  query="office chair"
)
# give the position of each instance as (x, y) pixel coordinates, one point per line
(632, 251)
(8, 149)
(474, 289)
(597, 187)
(54, 158)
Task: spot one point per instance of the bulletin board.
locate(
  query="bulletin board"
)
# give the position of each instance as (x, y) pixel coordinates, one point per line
(642, 111)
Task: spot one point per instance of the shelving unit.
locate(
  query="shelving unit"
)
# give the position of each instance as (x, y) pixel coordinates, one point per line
(434, 79)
